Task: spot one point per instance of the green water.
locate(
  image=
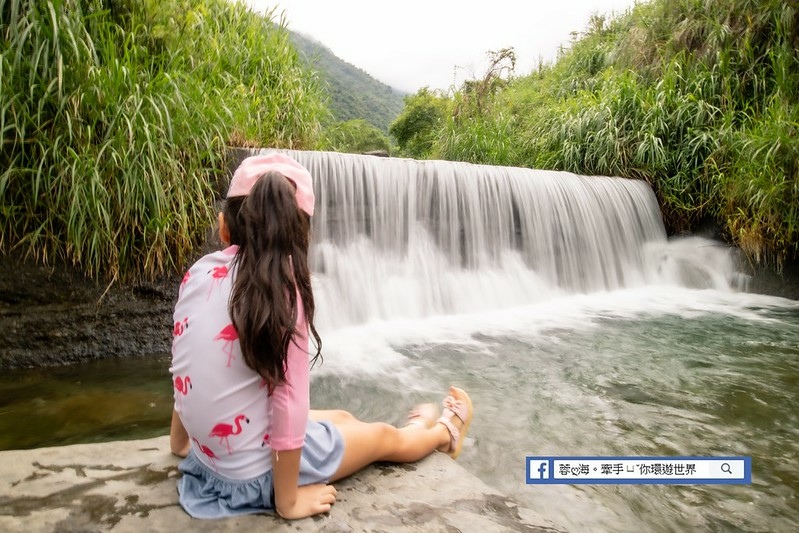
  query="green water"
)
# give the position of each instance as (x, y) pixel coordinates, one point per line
(95, 402)
(655, 377)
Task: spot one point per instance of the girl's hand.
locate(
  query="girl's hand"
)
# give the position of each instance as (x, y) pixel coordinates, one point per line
(311, 500)
(292, 501)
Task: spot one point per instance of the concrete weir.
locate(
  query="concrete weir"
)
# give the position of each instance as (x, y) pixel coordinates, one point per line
(131, 486)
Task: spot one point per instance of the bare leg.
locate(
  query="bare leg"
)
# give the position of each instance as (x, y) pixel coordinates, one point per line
(366, 443)
(337, 416)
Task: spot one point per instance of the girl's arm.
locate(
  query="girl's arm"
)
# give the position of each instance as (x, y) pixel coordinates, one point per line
(290, 405)
(292, 501)
(178, 437)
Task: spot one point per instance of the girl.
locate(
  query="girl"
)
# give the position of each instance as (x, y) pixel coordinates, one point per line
(240, 367)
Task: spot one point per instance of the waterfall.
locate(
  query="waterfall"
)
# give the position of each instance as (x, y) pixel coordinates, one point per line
(401, 238)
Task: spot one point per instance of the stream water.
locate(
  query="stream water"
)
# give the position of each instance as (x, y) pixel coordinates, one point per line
(555, 300)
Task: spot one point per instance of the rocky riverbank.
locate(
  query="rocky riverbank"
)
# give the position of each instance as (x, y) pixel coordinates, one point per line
(53, 316)
(131, 486)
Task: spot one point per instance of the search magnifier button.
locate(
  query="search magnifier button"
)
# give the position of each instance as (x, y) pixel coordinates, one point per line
(725, 467)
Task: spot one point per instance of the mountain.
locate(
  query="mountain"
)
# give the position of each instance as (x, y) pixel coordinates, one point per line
(354, 94)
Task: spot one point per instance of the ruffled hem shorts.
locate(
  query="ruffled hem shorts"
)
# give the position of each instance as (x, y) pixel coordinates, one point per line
(205, 494)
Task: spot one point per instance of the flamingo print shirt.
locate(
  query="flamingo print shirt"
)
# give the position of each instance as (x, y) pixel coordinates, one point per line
(224, 405)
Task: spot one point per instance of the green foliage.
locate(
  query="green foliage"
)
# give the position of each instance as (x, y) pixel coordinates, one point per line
(488, 140)
(699, 98)
(479, 129)
(356, 137)
(761, 181)
(353, 94)
(415, 129)
(114, 120)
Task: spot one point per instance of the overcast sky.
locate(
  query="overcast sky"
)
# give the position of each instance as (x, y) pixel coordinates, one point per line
(409, 44)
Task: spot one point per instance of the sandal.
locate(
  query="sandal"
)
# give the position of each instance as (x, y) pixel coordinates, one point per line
(423, 415)
(457, 404)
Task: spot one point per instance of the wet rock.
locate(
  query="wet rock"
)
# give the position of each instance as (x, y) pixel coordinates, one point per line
(130, 486)
(55, 316)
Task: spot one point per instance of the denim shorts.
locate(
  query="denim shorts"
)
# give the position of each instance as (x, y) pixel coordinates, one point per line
(205, 494)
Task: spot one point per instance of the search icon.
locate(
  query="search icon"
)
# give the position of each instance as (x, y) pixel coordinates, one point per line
(725, 467)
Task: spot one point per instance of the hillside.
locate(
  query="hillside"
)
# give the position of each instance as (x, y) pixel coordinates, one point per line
(354, 94)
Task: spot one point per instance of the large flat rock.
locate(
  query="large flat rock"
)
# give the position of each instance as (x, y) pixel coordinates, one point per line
(131, 486)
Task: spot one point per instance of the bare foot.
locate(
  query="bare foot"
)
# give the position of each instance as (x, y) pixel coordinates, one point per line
(423, 415)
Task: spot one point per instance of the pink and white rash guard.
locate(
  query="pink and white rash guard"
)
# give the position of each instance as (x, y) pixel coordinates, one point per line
(224, 405)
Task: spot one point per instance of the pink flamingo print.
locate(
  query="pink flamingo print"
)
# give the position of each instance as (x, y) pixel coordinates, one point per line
(185, 279)
(182, 385)
(180, 327)
(225, 431)
(208, 452)
(229, 335)
(217, 275)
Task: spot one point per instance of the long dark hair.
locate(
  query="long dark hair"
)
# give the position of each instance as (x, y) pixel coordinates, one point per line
(272, 234)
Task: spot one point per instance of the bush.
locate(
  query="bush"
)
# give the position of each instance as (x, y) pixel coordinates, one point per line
(356, 137)
(115, 117)
(699, 98)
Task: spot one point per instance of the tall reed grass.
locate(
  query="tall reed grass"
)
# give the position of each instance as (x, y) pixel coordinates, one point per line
(699, 97)
(115, 117)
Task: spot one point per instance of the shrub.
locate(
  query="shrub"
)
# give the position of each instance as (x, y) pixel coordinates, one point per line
(115, 117)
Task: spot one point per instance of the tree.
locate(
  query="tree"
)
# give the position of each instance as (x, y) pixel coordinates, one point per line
(475, 95)
(416, 128)
(356, 137)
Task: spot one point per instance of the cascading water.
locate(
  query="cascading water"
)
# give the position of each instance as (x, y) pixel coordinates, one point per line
(399, 238)
(556, 300)
(577, 327)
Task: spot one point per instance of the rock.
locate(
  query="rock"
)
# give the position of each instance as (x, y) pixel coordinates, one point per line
(54, 316)
(131, 486)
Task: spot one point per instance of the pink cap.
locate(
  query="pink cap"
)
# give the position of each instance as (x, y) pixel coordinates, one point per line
(256, 166)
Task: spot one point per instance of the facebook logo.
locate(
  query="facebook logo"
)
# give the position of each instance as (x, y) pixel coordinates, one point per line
(538, 470)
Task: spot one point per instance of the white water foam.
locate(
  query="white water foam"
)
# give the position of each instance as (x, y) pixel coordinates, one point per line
(427, 252)
(398, 238)
(374, 348)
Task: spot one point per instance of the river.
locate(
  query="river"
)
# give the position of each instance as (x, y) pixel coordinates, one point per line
(556, 301)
